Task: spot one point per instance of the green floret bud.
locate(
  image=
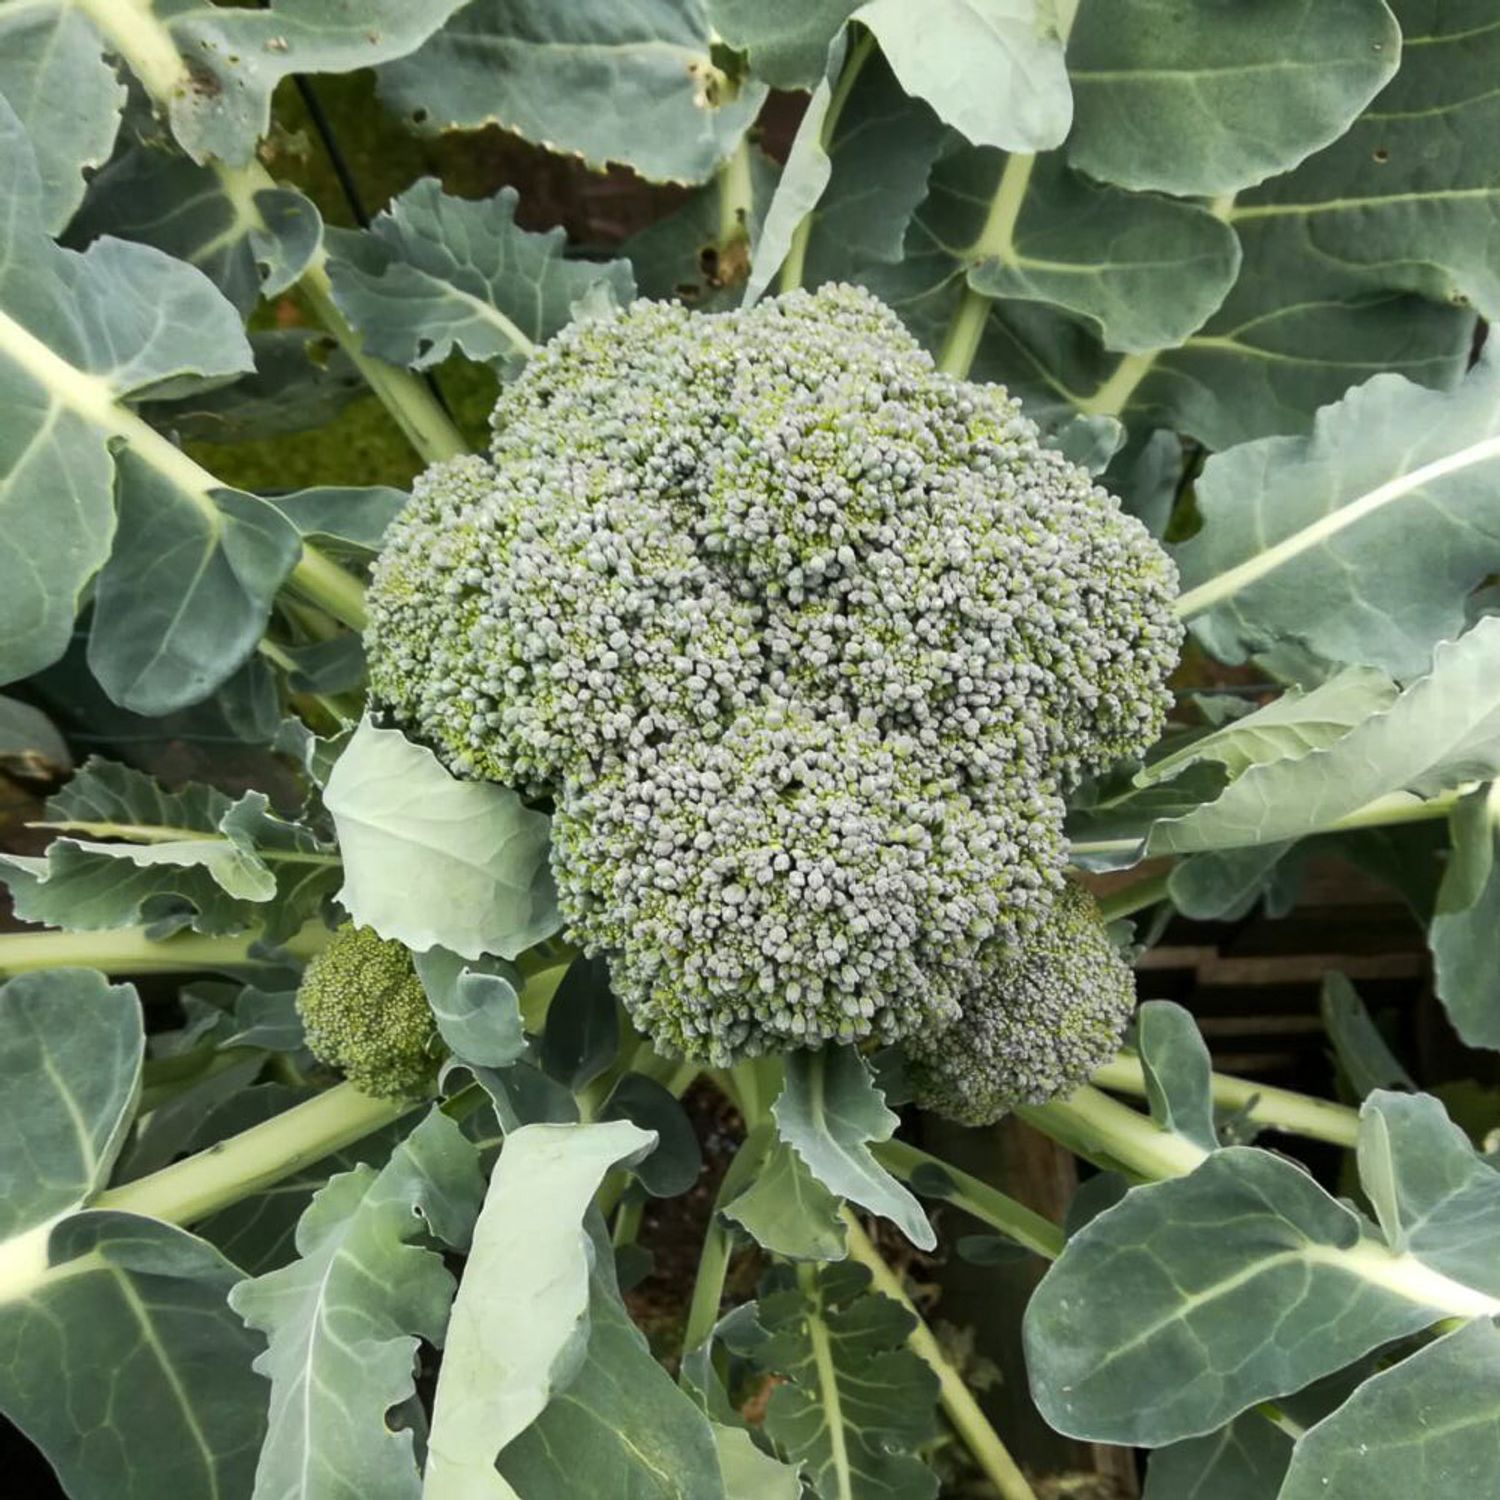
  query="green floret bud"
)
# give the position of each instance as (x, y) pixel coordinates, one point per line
(365, 1014)
(1045, 1016)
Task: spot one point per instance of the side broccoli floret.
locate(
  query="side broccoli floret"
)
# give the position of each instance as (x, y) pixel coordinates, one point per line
(365, 1013)
(1046, 1014)
(760, 596)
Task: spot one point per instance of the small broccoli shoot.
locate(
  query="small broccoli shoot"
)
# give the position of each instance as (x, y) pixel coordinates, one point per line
(365, 1014)
(1045, 1016)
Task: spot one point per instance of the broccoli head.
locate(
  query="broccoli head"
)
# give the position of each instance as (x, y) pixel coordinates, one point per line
(769, 606)
(366, 1014)
(1046, 1013)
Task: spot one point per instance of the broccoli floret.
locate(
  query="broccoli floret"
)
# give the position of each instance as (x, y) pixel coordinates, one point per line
(365, 1013)
(1046, 1014)
(761, 595)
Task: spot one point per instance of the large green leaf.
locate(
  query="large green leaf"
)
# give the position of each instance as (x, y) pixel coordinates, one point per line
(432, 860)
(54, 76)
(1200, 100)
(1152, 1325)
(70, 1054)
(540, 70)
(125, 1366)
(435, 273)
(1465, 931)
(622, 1425)
(185, 594)
(993, 69)
(1435, 1197)
(1361, 540)
(520, 1329)
(1443, 731)
(344, 1319)
(1428, 1426)
(830, 1112)
(854, 1402)
(1244, 1461)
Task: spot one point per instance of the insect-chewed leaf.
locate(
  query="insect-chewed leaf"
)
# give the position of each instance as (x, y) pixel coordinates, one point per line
(435, 273)
(1151, 1327)
(1212, 103)
(672, 115)
(787, 40)
(622, 1425)
(830, 1112)
(344, 1319)
(520, 1328)
(1433, 1418)
(434, 861)
(841, 1350)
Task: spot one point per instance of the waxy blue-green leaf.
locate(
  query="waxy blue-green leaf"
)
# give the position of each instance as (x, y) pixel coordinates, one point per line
(125, 1366)
(674, 1163)
(830, 1113)
(993, 69)
(788, 1211)
(1430, 1425)
(1361, 540)
(1246, 1460)
(1362, 1051)
(436, 273)
(248, 245)
(855, 1403)
(187, 588)
(1225, 884)
(622, 1425)
(1178, 1072)
(1193, 101)
(519, 1330)
(54, 76)
(786, 40)
(1435, 1196)
(434, 861)
(344, 1319)
(70, 1053)
(540, 70)
(1152, 1328)
(1465, 931)
(1442, 732)
(476, 1008)
(582, 1033)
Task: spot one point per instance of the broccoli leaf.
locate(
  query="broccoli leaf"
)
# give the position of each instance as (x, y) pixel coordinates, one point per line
(1362, 1051)
(854, 1403)
(344, 1319)
(520, 1327)
(1433, 1417)
(830, 1112)
(1213, 102)
(435, 273)
(787, 40)
(434, 861)
(672, 116)
(1244, 1461)
(1177, 1069)
(476, 1008)
(1465, 931)
(788, 1211)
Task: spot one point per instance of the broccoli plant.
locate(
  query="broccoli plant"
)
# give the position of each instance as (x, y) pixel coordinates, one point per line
(577, 793)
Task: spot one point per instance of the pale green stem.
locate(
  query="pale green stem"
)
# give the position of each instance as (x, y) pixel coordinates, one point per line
(254, 1159)
(283, 659)
(1105, 1130)
(1130, 899)
(1276, 1109)
(962, 1409)
(736, 195)
(628, 1222)
(832, 1400)
(987, 1204)
(128, 950)
(132, 29)
(796, 256)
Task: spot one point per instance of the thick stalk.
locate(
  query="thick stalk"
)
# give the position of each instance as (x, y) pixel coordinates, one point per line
(132, 29)
(1107, 1131)
(1130, 899)
(128, 950)
(962, 1409)
(1276, 1109)
(796, 255)
(989, 1205)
